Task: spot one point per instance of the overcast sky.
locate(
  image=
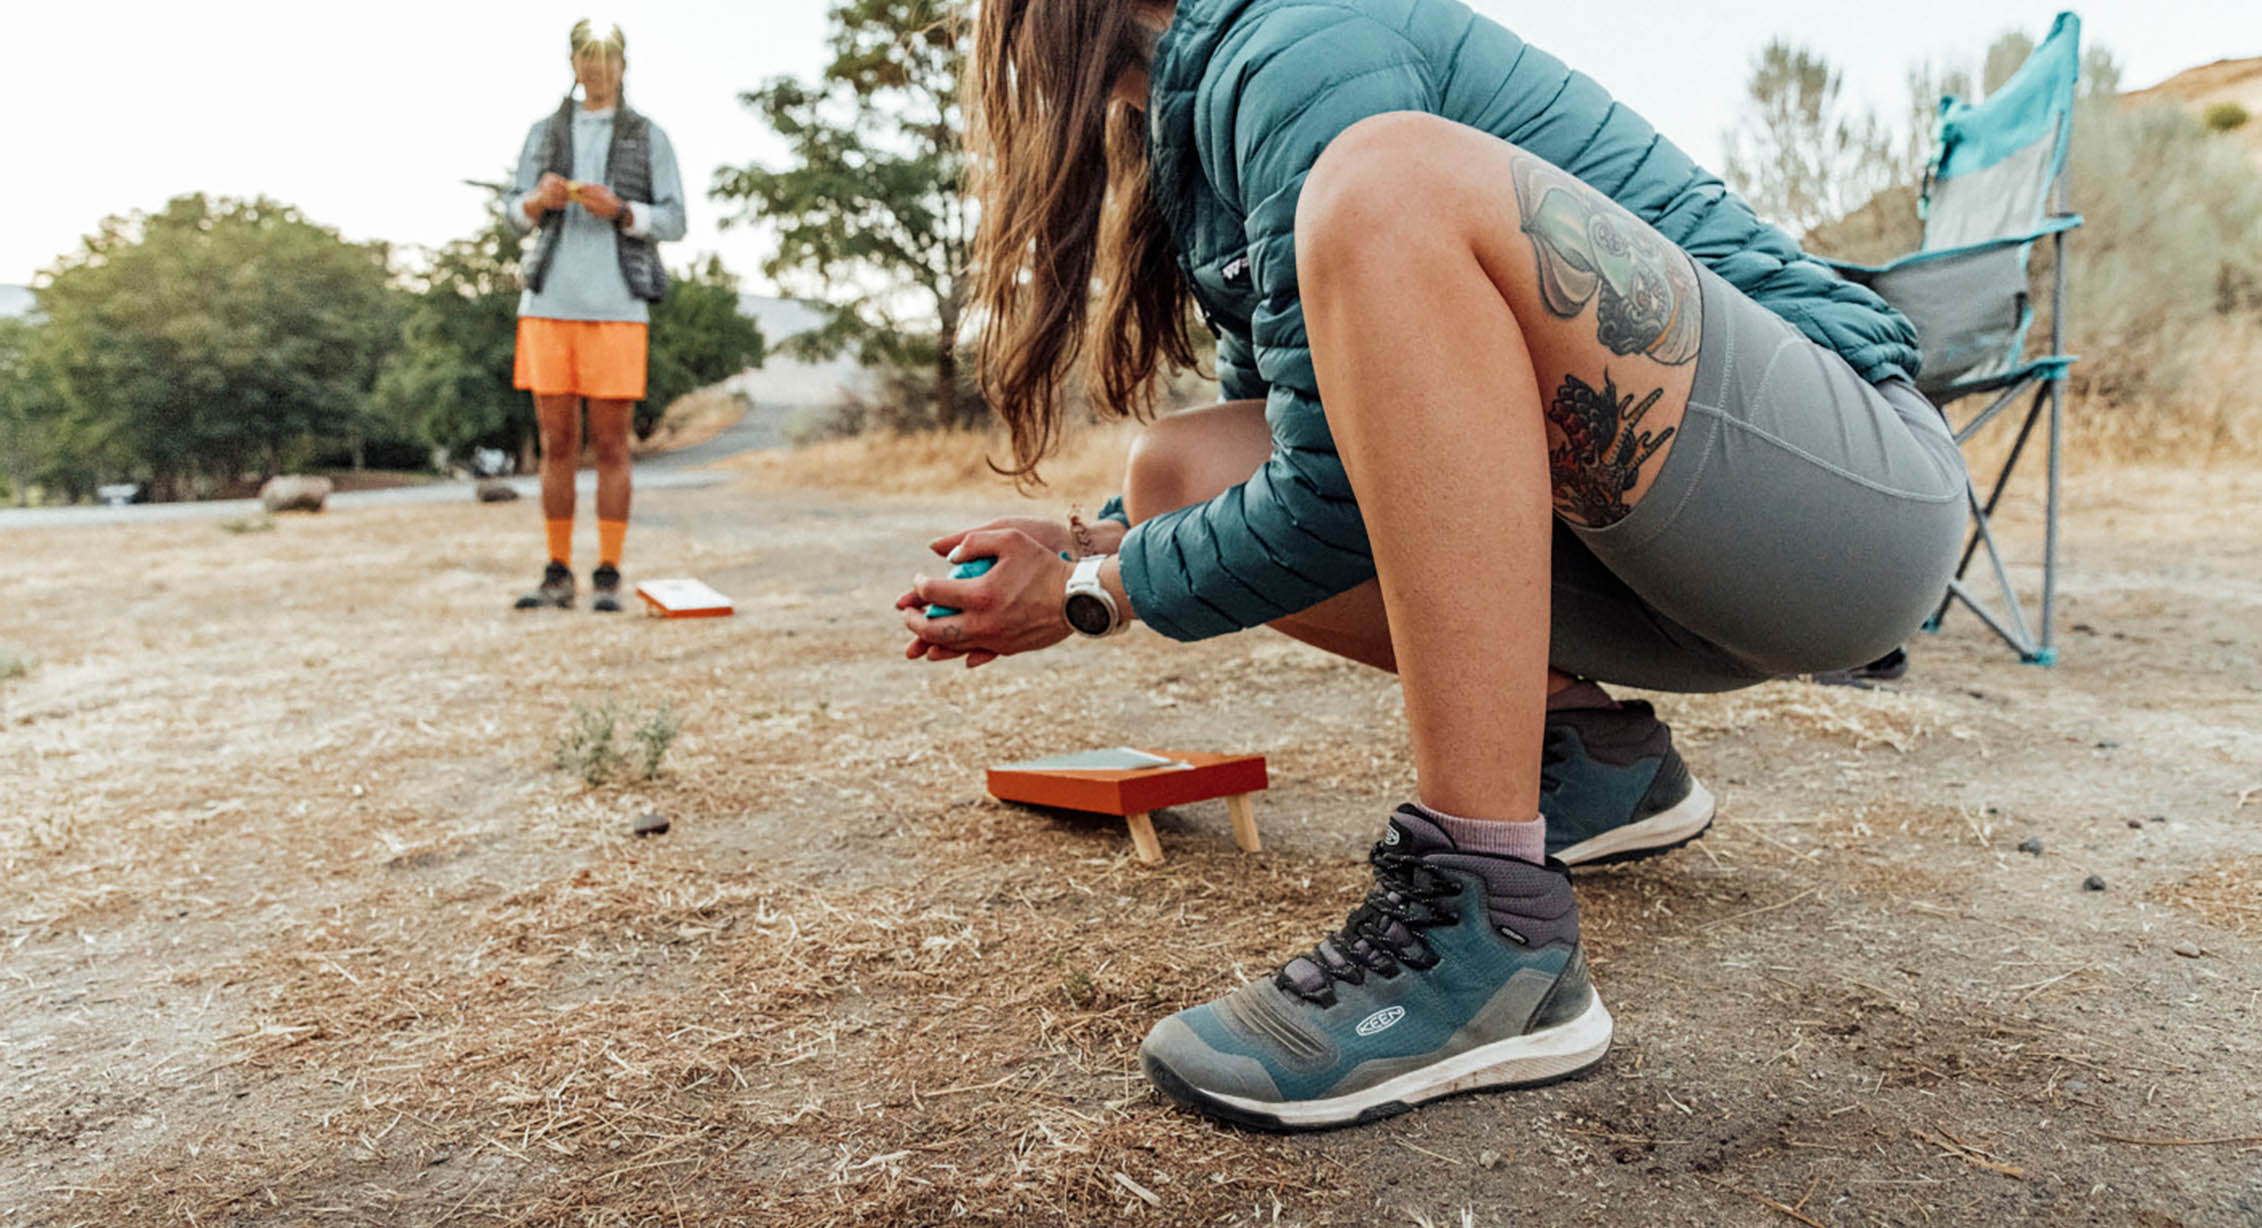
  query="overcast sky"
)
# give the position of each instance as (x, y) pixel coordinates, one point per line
(368, 118)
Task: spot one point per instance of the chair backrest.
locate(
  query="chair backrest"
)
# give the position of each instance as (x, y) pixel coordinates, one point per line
(1998, 160)
(1986, 198)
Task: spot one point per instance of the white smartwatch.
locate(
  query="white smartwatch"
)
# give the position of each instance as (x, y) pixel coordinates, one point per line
(1088, 607)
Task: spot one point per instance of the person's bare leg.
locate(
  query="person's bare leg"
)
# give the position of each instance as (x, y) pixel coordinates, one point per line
(609, 426)
(1194, 454)
(560, 420)
(1447, 372)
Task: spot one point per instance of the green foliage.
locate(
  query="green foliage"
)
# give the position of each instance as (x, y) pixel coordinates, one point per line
(699, 336)
(588, 746)
(35, 426)
(2170, 256)
(450, 381)
(15, 662)
(258, 522)
(872, 213)
(217, 338)
(654, 735)
(1800, 153)
(451, 384)
(2224, 117)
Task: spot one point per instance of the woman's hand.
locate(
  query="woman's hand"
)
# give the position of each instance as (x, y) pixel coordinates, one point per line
(1014, 608)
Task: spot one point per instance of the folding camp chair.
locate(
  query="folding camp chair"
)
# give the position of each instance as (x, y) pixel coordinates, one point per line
(1996, 186)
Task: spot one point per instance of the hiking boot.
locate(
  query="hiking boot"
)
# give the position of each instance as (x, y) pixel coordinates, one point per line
(1612, 788)
(1461, 972)
(555, 591)
(604, 589)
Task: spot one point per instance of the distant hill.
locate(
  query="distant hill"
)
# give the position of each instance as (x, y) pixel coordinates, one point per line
(786, 382)
(15, 302)
(2238, 81)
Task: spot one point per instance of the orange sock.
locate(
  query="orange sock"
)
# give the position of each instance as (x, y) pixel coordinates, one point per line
(560, 533)
(610, 534)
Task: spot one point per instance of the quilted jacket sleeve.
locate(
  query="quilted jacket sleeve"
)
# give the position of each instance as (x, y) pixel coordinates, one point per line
(1291, 536)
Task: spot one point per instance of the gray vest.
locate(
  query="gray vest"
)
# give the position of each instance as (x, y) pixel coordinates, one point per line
(628, 172)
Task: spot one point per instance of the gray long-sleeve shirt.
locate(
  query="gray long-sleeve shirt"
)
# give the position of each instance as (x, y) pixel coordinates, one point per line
(585, 281)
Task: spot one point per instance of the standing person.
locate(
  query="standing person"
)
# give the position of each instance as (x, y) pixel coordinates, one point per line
(598, 181)
(1522, 400)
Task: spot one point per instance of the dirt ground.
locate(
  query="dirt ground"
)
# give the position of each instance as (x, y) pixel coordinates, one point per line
(302, 925)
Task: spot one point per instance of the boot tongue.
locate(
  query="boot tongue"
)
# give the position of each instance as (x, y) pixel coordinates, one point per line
(1409, 833)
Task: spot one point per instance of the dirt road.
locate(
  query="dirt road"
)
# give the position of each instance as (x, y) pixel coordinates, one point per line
(300, 924)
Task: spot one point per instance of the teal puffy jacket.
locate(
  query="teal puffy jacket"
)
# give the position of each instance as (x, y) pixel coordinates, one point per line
(1246, 93)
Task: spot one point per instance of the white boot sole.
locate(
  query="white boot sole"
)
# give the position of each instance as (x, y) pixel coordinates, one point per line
(1537, 1057)
(1668, 827)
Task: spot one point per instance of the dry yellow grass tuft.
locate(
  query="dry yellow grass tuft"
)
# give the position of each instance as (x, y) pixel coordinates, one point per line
(2226, 894)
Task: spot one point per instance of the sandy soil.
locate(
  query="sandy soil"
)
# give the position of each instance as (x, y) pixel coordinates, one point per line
(302, 925)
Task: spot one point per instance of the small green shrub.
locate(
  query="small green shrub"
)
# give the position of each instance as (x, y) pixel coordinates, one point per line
(655, 735)
(2225, 117)
(261, 523)
(15, 662)
(590, 747)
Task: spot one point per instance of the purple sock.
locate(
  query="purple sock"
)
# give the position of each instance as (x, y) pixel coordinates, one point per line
(1525, 841)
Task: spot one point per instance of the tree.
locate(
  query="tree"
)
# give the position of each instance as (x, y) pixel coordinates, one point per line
(1800, 154)
(218, 338)
(31, 414)
(872, 214)
(450, 381)
(699, 336)
(451, 384)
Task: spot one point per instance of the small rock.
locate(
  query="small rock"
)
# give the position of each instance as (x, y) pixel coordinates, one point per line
(1488, 1159)
(651, 823)
(2093, 883)
(442, 1156)
(2108, 746)
(2159, 818)
(2075, 1087)
(289, 493)
(2032, 844)
(2138, 824)
(495, 490)
(2189, 950)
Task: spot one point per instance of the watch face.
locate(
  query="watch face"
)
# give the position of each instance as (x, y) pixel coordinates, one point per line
(1088, 614)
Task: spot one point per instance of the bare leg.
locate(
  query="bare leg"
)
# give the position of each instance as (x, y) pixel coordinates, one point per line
(609, 423)
(1192, 455)
(1436, 348)
(560, 421)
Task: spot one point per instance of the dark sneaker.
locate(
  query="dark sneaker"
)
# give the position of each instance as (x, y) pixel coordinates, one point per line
(1892, 667)
(1461, 972)
(1612, 788)
(604, 588)
(555, 591)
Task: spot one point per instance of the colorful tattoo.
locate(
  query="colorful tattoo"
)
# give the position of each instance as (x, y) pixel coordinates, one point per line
(1590, 250)
(1594, 453)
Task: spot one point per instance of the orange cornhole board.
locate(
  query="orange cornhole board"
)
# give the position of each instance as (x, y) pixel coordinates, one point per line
(682, 599)
(1096, 782)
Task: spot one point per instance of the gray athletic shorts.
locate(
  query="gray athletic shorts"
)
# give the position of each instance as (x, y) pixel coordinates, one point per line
(1804, 520)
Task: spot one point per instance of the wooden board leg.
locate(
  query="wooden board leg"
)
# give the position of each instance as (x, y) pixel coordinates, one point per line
(1244, 815)
(1143, 837)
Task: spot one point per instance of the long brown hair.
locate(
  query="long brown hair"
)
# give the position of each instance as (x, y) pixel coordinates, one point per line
(1060, 171)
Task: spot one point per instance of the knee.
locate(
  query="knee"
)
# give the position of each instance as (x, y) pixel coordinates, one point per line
(611, 449)
(1355, 201)
(1157, 474)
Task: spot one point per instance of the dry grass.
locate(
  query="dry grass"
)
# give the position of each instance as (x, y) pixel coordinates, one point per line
(1088, 468)
(2226, 894)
